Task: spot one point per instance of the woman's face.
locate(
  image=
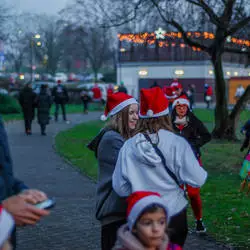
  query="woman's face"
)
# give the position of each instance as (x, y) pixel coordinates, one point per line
(133, 116)
(181, 110)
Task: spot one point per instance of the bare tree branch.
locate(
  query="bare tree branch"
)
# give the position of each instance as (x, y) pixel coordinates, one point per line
(213, 17)
(186, 39)
(238, 26)
(128, 19)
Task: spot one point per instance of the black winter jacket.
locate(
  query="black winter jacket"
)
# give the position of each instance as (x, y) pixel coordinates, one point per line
(109, 206)
(194, 132)
(9, 185)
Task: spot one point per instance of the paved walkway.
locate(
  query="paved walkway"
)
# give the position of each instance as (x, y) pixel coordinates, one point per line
(71, 225)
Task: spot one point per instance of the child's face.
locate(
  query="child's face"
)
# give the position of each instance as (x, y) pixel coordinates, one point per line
(151, 227)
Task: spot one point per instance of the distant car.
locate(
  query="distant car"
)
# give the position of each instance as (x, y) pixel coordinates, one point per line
(4, 91)
(61, 76)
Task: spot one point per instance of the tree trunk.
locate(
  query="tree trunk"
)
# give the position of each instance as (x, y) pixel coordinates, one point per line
(221, 111)
(235, 114)
(225, 124)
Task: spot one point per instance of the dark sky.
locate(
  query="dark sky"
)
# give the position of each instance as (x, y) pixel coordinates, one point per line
(38, 6)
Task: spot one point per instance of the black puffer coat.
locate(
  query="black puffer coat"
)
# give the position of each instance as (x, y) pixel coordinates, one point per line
(194, 132)
(27, 100)
(44, 102)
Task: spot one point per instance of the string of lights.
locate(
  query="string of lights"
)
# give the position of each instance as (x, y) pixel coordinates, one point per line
(151, 38)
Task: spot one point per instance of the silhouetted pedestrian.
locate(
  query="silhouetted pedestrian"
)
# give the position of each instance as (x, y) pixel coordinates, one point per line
(61, 97)
(27, 101)
(44, 102)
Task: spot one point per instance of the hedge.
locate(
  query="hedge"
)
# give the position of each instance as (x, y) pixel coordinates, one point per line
(9, 105)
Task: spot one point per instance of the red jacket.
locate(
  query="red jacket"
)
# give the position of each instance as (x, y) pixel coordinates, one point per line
(209, 91)
(97, 94)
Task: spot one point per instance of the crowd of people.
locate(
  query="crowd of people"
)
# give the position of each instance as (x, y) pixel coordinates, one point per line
(30, 101)
(149, 165)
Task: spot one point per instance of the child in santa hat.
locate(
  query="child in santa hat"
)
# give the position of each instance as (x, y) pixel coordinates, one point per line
(147, 219)
(156, 159)
(186, 124)
(6, 227)
(122, 111)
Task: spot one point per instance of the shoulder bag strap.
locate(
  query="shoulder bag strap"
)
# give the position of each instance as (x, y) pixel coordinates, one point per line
(159, 153)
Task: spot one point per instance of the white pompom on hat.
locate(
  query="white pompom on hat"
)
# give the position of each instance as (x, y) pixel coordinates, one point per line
(181, 100)
(153, 103)
(115, 103)
(6, 225)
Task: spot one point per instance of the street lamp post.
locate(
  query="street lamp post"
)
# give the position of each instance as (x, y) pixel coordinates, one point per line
(34, 43)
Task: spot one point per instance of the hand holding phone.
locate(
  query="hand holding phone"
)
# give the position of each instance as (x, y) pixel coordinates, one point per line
(47, 204)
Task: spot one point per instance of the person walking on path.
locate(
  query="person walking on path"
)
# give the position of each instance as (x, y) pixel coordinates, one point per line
(191, 95)
(27, 101)
(239, 93)
(208, 95)
(187, 125)
(15, 197)
(122, 110)
(85, 100)
(61, 97)
(97, 95)
(158, 160)
(44, 102)
(122, 88)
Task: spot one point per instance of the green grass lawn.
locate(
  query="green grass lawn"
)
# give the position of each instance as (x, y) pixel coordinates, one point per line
(226, 210)
(71, 109)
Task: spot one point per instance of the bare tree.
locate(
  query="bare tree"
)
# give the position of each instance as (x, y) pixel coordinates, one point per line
(52, 40)
(225, 17)
(93, 41)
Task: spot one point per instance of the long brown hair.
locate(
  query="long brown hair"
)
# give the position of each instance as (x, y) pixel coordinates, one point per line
(153, 125)
(119, 123)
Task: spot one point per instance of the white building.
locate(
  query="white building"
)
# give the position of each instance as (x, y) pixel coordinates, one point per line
(141, 65)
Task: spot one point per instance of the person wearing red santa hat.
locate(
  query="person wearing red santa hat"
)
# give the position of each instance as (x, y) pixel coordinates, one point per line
(122, 112)
(193, 130)
(147, 220)
(156, 159)
(177, 87)
(171, 96)
(6, 227)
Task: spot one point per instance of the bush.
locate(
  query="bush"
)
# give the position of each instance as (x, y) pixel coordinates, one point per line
(9, 105)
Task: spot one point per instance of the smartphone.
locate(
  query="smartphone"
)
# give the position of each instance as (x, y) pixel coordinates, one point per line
(47, 204)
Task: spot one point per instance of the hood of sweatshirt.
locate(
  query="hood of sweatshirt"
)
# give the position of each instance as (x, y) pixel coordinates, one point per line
(144, 151)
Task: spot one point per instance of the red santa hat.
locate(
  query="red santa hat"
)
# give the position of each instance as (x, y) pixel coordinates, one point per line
(169, 92)
(116, 102)
(139, 201)
(181, 100)
(6, 225)
(153, 103)
(176, 85)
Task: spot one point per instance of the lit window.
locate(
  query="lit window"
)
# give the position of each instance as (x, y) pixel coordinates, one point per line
(179, 72)
(143, 72)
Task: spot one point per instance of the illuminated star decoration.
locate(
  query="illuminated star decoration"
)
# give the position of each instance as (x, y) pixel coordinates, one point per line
(160, 33)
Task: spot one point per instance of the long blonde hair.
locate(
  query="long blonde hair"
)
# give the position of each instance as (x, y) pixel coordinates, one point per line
(119, 123)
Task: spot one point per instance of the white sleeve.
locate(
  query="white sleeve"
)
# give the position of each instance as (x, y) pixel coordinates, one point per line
(120, 182)
(189, 170)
